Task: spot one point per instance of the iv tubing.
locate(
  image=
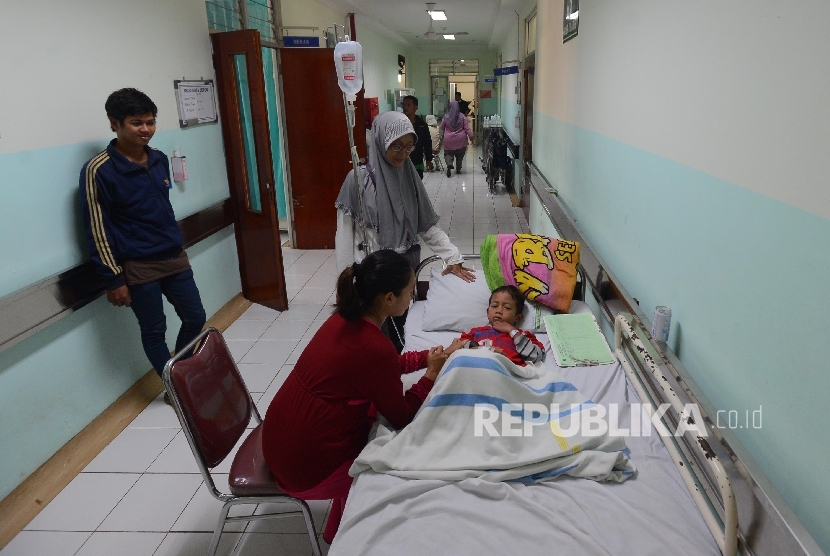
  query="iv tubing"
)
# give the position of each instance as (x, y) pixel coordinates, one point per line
(349, 105)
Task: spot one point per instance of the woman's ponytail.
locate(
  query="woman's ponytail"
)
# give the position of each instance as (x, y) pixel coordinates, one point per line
(359, 285)
(348, 300)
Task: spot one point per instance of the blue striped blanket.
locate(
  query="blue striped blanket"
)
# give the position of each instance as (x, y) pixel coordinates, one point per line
(483, 420)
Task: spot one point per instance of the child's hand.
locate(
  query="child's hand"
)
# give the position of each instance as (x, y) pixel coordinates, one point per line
(456, 344)
(503, 327)
(499, 351)
(435, 361)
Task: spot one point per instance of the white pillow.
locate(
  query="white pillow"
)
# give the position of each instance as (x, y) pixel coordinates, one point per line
(455, 305)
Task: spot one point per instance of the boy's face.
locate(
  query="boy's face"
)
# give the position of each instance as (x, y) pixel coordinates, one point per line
(502, 308)
(136, 130)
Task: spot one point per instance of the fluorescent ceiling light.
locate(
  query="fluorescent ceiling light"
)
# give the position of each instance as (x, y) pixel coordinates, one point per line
(438, 15)
(574, 15)
(449, 37)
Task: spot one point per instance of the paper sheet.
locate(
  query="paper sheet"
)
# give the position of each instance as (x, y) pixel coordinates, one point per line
(577, 340)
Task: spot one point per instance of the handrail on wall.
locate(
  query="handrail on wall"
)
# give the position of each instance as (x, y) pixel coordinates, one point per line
(37, 306)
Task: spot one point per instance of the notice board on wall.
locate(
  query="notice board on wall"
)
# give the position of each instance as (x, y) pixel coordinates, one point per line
(196, 101)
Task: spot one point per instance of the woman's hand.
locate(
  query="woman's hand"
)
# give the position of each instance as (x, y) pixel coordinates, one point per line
(435, 362)
(456, 344)
(464, 273)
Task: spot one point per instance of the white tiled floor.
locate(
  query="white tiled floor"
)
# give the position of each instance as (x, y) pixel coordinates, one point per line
(143, 495)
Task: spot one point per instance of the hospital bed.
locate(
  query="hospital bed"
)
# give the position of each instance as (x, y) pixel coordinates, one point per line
(692, 494)
(647, 514)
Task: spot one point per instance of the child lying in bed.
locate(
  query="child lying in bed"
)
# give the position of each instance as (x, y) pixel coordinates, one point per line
(504, 311)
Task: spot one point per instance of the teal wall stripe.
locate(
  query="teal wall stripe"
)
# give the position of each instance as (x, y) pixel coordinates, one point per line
(745, 275)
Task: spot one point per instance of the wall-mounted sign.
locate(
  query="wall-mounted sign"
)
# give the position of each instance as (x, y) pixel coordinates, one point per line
(506, 70)
(196, 102)
(485, 93)
(490, 80)
(309, 42)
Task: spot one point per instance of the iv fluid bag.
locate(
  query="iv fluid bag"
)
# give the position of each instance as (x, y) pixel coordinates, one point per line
(348, 59)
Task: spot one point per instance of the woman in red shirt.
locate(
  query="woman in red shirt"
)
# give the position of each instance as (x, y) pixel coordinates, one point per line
(319, 420)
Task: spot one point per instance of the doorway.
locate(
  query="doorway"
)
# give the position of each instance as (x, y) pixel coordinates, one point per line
(467, 85)
(446, 74)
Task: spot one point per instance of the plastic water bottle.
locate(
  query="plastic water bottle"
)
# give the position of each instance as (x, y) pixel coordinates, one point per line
(348, 59)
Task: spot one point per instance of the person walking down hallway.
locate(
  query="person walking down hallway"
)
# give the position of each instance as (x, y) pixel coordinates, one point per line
(132, 234)
(456, 132)
(423, 146)
(463, 105)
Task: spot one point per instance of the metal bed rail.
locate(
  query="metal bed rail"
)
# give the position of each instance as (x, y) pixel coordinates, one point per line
(726, 535)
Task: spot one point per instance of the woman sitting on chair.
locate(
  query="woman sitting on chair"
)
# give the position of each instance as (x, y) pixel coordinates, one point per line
(319, 420)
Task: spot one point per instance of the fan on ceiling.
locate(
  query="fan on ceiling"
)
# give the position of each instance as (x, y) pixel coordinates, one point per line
(430, 35)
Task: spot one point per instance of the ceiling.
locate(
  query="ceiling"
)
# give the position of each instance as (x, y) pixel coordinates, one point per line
(405, 21)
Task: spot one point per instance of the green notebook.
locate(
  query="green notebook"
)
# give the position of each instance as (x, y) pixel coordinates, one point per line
(577, 340)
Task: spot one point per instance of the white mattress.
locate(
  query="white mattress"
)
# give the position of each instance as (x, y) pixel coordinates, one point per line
(650, 513)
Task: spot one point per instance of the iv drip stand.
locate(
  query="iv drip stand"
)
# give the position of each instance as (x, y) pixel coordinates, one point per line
(365, 246)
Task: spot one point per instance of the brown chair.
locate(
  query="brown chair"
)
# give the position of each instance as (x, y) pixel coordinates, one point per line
(214, 407)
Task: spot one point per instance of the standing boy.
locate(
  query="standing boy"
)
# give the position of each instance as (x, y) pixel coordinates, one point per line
(132, 234)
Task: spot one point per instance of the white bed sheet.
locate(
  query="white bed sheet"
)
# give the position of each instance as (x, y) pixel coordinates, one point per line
(650, 513)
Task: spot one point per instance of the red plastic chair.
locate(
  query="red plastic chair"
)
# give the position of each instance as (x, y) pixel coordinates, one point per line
(214, 407)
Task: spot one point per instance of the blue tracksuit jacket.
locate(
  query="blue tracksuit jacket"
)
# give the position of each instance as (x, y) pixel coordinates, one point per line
(127, 212)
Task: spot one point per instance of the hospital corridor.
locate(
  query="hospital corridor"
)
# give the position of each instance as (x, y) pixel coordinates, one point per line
(372, 277)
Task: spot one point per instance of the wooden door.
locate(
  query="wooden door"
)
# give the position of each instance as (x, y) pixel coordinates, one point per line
(527, 138)
(237, 58)
(317, 142)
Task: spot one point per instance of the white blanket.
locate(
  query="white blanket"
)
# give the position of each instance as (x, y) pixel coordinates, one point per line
(467, 428)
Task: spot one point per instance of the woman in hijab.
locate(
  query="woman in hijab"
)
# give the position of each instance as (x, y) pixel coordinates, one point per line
(397, 208)
(456, 130)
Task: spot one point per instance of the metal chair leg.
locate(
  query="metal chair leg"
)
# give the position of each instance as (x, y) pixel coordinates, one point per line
(220, 527)
(309, 524)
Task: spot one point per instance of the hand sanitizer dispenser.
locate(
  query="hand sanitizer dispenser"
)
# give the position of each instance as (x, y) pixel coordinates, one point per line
(179, 164)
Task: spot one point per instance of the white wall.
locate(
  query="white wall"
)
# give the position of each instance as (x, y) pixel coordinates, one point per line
(313, 13)
(736, 89)
(71, 55)
(380, 62)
